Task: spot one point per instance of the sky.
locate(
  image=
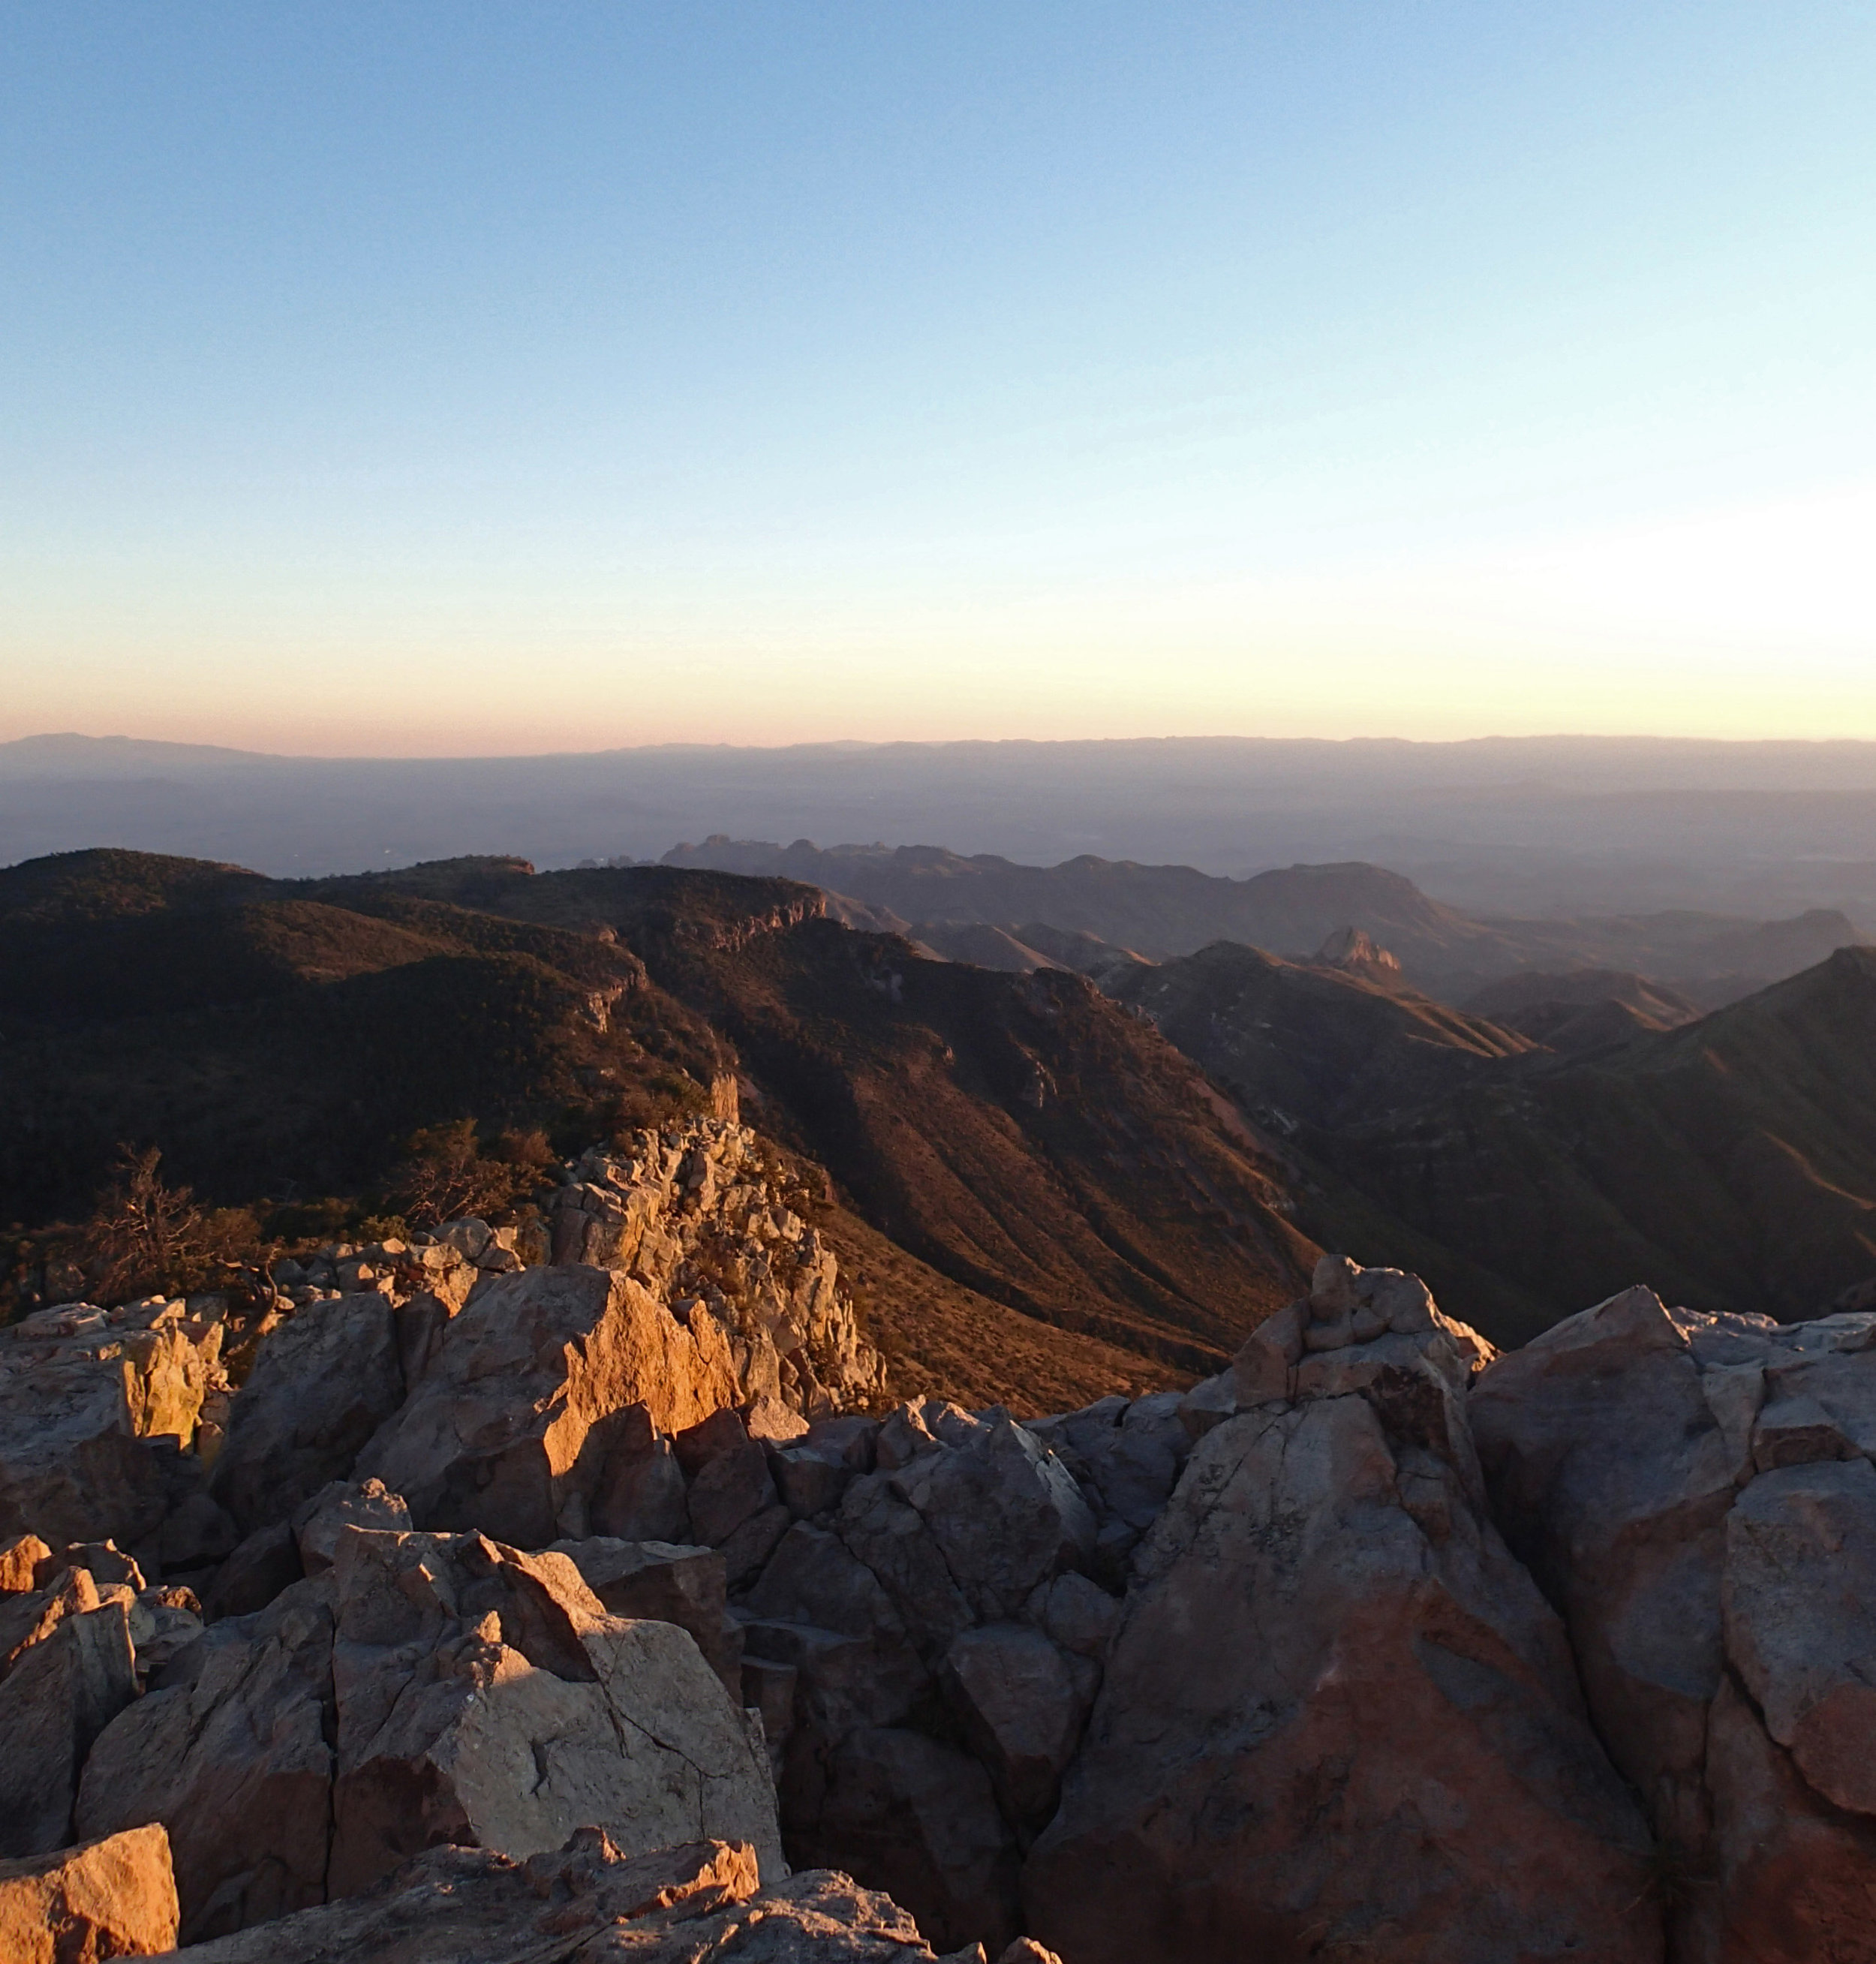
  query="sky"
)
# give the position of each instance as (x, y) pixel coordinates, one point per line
(439, 379)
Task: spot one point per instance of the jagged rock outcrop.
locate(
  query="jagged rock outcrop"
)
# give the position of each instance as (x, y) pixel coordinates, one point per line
(427, 1689)
(1336, 1713)
(697, 1214)
(1293, 1662)
(1696, 1493)
(115, 1898)
(97, 1408)
(589, 1903)
(533, 1386)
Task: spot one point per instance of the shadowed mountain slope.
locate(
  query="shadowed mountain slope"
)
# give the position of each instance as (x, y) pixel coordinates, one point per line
(1730, 1163)
(1016, 1132)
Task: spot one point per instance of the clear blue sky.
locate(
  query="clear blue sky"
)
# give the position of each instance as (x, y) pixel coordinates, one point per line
(408, 377)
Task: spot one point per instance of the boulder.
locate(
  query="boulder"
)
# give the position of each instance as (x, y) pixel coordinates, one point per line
(531, 1388)
(1021, 1703)
(1693, 1492)
(1798, 1610)
(318, 1523)
(19, 1561)
(235, 1761)
(730, 1488)
(115, 1898)
(530, 1711)
(104, 1561)
(671, 1583)
(1003, 1513)
(1337, 1713)
(427, 1688)
(1077, 1615)
(69, 1670)
(807, 1482)
(322, 1382)
(849, 1438)
(891, 1540)
(589, 1902)
(89, 1400)
(166, 1626)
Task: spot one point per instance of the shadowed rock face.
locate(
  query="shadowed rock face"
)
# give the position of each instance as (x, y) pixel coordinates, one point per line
(1696, 1493)
(1336, 1710)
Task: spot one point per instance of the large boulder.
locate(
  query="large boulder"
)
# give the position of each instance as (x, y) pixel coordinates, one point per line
(1337, 1713)
(1695, 1494)
(537, 1712)
(322, 1382)
(96, 1407)
(591, 1903)
(427, 1688)
(543, 1375)
(69, 1670)
(234, 1759)
(115, 1898)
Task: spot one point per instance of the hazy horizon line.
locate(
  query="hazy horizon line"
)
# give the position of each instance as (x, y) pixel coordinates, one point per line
(48, 738)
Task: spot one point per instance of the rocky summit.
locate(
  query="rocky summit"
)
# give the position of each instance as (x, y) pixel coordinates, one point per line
(578, 1593)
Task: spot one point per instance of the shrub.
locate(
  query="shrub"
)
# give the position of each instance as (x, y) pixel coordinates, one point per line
(445, 1173)
(145, 1235)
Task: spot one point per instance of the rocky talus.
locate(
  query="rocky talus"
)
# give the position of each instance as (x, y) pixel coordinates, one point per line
(477, 1604)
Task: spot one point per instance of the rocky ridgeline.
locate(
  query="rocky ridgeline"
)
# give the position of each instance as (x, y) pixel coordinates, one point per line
(549, 1624)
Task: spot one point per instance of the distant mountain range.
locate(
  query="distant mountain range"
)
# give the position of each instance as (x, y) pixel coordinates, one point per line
(934, 895)
(1527, 825)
